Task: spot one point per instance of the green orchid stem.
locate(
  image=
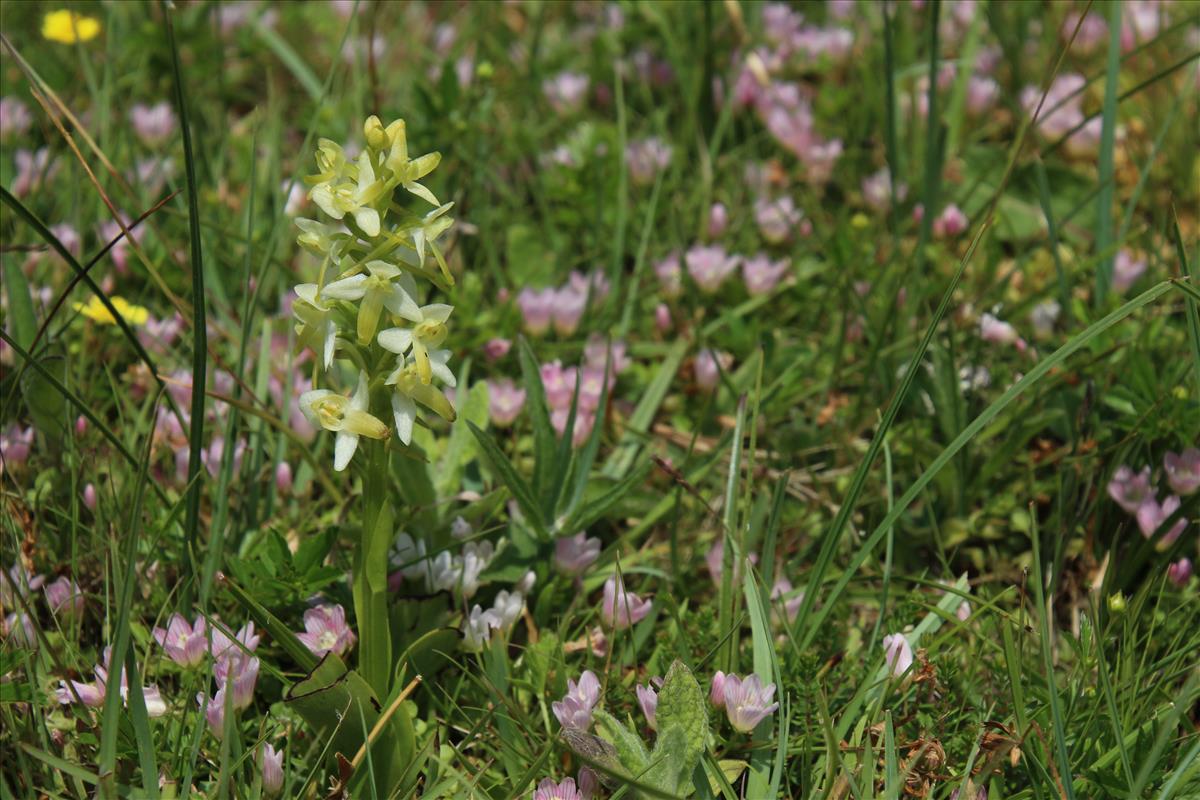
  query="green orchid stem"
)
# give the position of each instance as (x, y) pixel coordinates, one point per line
(370, 573)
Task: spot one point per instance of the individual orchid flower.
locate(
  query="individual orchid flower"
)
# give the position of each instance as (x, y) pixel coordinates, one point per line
(184, 644)
(746, 701)
(408, 171)
(375, 291)
(343, 197)
(348, 417)
(317, 329)
(425, 235)
(321, 239)
(326, 630)
(331, 163)
(410, 390)
(428, 333)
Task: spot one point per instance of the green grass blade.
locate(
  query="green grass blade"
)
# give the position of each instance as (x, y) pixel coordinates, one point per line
(199, 321)
(1104, 200)
(1073, 345)
(1059, 730)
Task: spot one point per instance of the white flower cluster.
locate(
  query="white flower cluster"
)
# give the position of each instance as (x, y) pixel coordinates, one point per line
(444, 572)
(376, 253)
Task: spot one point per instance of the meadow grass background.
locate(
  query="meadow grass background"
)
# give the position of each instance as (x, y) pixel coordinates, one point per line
(866, 432)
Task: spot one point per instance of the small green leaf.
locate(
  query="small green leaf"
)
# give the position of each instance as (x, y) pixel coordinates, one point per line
(630, 749)
(672, 762)
(681, 703)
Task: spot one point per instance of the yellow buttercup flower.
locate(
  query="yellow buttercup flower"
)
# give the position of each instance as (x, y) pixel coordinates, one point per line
(94, 310)
(69, 27)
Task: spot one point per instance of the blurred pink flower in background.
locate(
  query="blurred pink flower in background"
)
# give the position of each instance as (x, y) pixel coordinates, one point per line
(1180, 572)
(15, 445)
(708, 367)
(574, 554)
(15, 118)
(33, 169)
(537, 309)
(64, 598)
(505, 401)
(1183, 471)
(877, 190)
(566, 91)
(761, 274)
(1130, 490)
(776, 218)
(496, 348)
(154, 124)
(1093, 32)
(950, 223)
(669, 274)
(709, 266)
(718, 220)
(1126, 270)
(1151, 515)
(646, 158)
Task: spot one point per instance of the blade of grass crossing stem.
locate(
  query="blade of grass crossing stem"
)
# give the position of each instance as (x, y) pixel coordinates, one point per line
(857, 483)
(1064, 291)
(220, 516)
(766, 666)
(110, 716)
(1056, 717)
(889, 548)
(639, 261)
(1144, 176)
(1104, 200)
(539, 416)
(1043, 367)
(79, 404)
(1190, 275)
(140, 717)
(1110, 701)
(891, 769)
(199, 323)
(893, 151)
(1182, 769)
(725, 612)
(48, 236)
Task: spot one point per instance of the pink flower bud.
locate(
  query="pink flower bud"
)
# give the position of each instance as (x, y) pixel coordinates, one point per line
(81, 425)
(283, 477)
(89, 497)
(662, 318)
